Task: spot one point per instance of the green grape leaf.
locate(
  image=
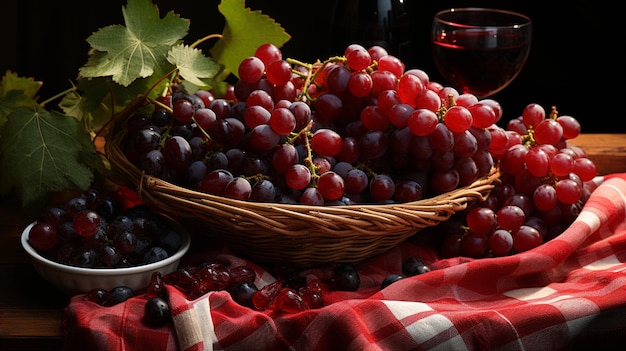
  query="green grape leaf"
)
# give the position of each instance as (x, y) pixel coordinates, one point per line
(101, 98)
(245, 30)
(192, 64)
(77, 106)
(43, 151)
(136, 50)
(103, 92)
(11, 81)
(16, 91)
(71, 105)
(8, 103)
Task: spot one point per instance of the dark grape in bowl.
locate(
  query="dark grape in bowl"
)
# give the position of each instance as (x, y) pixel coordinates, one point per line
(75, 280)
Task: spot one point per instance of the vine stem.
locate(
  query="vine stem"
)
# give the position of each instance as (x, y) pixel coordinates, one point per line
(57, 96)
(203, 39)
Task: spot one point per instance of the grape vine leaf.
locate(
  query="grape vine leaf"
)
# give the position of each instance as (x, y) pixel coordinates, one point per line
(71, 104)
(43, 151)
(101, 98)
(138, 49)
(16, 91)
(11, 81)
(244, 31)
(192, 65)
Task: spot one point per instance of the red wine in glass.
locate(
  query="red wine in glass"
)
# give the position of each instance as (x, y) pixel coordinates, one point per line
(478, 54)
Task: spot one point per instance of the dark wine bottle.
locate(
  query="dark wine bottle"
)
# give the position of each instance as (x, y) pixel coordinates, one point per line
(372, 22)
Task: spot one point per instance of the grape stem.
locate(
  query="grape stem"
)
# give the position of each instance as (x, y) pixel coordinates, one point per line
(305, 134)
(257, 177)
(308, 160)
(441, 113)
(311, 74)
(365, 168)
(160, 104)
(554, 113)
(529, 140)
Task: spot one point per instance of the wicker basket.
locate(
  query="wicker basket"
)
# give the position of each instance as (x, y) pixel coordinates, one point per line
(296, 234)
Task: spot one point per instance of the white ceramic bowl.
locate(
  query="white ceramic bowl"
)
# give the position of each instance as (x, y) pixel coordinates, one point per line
(75, 280)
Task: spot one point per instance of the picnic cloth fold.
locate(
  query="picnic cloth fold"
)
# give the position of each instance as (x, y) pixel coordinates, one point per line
(568, 293)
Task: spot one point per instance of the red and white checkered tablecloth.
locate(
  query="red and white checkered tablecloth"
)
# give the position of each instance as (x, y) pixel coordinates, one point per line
(568, 293)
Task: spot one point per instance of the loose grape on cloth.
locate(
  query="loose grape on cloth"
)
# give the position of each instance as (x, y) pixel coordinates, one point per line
(565, 294)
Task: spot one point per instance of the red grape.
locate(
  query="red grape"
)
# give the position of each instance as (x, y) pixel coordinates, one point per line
(251, 69)
(86, 223)
(331, 185)
(42, 236)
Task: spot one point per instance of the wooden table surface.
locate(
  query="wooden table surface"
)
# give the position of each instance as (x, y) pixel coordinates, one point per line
(31, 310)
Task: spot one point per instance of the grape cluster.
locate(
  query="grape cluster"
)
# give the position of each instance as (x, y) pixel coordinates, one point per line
(361, 128)
(543, 185)
(92, 231)
(356, 128)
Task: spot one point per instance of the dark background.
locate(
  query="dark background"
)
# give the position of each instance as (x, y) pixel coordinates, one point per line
(576, 60)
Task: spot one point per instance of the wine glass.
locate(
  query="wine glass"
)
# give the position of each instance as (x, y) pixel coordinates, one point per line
(480, 50)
